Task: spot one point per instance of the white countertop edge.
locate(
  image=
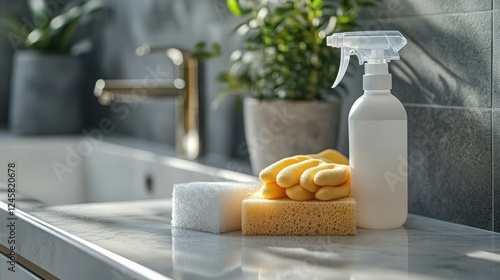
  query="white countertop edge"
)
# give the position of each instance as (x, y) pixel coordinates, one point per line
(113, 261)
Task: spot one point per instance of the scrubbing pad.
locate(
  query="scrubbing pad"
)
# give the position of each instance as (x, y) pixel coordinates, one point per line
(261, 216)
(210, 206)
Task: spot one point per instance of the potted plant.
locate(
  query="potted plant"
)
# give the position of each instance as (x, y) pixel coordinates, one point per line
(47, 72)
(286, 71)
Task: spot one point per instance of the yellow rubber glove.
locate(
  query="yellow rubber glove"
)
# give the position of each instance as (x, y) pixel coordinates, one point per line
(330, 193)
(300, 177)
(333, 176)
(270, 173)
(297, 192)
(331, 156)
(290, 175)
(272, 191)
(307, 178)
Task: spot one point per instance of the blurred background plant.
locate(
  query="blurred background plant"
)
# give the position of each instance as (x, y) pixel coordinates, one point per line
(284, 54)
(52, 28)
(202, 51)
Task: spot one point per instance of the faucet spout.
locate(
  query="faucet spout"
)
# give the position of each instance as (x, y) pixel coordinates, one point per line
(184, 88)
(110, 90)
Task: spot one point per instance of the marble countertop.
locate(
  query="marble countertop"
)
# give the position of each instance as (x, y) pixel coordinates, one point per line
(140, 231)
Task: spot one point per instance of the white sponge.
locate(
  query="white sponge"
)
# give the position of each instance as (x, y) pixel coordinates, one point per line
(210, 206)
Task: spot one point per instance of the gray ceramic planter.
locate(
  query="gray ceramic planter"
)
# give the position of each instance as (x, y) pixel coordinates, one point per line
(279, 129)
(46, 94)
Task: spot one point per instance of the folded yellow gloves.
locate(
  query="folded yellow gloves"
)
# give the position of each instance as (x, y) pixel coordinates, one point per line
(324, 176)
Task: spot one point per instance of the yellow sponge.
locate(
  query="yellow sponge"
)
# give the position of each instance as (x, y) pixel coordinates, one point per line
(261, 216)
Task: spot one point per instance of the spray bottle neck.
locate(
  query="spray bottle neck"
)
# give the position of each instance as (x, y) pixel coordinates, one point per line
(377, 76)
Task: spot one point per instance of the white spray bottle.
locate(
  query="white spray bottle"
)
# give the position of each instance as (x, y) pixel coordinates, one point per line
(377, 130)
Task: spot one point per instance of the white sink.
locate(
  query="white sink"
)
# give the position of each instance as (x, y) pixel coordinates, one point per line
(72, 170)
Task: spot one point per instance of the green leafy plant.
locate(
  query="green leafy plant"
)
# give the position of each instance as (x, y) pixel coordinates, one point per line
(284, 54)
(202, 53)
(52, 29)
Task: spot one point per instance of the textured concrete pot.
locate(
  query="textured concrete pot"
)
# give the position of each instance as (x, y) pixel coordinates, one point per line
(46, 94)
(279, 129)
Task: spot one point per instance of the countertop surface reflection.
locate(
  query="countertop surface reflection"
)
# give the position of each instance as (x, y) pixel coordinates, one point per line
(140, 231)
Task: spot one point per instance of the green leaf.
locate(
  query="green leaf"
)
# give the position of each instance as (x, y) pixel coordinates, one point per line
(14, 30)
(234, 7)
(67, 35)
(316, 3)
(368, 3)
(39, 10)
(200, 45)
(38, 39)
(201, 53)
(216, 49)
(64, 26)
(233, 87)
(238, 104)
(12, 25)
(218, 100)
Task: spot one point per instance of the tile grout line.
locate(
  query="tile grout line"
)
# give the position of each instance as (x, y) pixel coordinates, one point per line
(492, 174)
(492, 131)
(416, 16)
(492, 26)
(492, 127)
(436, 106)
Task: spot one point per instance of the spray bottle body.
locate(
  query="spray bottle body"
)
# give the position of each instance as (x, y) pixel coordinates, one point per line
(378, 160)
(377, 130)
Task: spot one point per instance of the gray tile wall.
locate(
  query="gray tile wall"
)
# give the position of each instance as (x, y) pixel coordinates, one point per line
(448, 80)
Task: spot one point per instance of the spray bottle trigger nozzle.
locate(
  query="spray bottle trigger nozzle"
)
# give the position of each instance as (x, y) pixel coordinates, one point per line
(344, 62)
(373, 47)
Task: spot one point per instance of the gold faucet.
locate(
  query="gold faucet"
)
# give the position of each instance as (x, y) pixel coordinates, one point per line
(184, 88)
